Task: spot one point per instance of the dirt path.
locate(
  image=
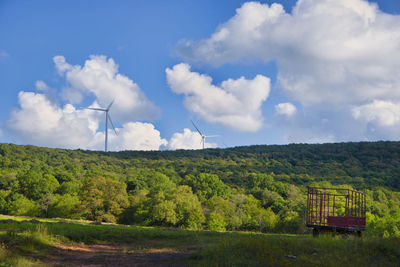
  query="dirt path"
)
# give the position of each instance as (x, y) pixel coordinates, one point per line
(112, 255)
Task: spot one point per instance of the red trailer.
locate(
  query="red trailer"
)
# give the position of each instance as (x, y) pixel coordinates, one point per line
(335, 209)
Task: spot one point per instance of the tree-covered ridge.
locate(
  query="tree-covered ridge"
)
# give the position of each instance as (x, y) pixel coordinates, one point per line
(254, 188)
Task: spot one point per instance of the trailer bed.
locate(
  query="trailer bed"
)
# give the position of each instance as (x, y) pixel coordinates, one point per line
(336, 209)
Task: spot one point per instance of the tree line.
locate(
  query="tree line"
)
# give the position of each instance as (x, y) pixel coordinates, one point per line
(256, 188)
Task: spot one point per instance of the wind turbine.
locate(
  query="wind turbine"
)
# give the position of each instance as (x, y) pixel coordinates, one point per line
(108, 118)
(203, 137)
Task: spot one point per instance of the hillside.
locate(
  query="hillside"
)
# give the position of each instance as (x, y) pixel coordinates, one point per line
(242, 188)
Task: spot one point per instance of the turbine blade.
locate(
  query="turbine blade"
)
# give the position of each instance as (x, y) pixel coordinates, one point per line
(109, 106)
(112, 124)
(213, 135)
(196, 128)
(98, 109)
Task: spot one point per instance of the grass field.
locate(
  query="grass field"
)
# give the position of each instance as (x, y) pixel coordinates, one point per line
(29, 244)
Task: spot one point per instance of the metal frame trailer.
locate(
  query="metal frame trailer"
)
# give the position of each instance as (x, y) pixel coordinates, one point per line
(335, 210)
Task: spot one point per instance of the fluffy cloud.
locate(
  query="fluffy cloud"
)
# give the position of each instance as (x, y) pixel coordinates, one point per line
(339, 54)
(285, 109)
(136, 136)
(380, 119)
(50, 93)
(99, 77)
(188, 140)
(382, 113)
(41, 86)
(40, 120)
(235, 103)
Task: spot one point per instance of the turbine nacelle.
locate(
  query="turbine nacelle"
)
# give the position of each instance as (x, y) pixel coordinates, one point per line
(108, 119)
(203, 137)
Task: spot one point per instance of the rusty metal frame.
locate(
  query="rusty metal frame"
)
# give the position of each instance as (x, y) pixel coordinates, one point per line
(321, 212)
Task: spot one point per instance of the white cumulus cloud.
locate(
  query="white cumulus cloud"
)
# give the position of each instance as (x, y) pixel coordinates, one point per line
(334, 54)
(41, 86)
(188, 140)
(380, 119)
(235, 103)
(50, 93)
(286, 109)
(136, 136)
(383, 113)
(100, 77)
(40, 122)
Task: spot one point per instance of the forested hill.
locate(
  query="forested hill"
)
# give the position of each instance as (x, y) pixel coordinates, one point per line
(362, 164)
(242, 188)
(359, 163)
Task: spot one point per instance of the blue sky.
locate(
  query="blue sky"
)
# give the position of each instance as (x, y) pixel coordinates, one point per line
(321, 69)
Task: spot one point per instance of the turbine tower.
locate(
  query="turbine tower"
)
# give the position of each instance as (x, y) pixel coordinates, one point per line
(203, 137)
(108, 118)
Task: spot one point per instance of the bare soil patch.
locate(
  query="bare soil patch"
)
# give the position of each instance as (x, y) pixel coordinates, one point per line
(113, 255)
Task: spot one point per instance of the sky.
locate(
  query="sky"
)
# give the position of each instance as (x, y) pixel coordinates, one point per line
(268, 72)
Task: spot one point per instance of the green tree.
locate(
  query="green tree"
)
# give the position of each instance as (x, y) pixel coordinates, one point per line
(271, 199)
(220, 213)
(260, 180)
(4, 204)
(8, 180)
(206, 185)
(20, 205)
(72, 187)
(163, 210)
(64, 206)
(216, 221)
(103, 199)
(188, 208)
(153, 181)
(290, 222)
(268, 220)
(35, 185)
(138, 210)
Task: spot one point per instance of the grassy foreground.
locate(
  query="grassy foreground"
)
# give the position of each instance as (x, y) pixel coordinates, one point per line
(27, 244)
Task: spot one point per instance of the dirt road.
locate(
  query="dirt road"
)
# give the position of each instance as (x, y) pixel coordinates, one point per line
(112, 255)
